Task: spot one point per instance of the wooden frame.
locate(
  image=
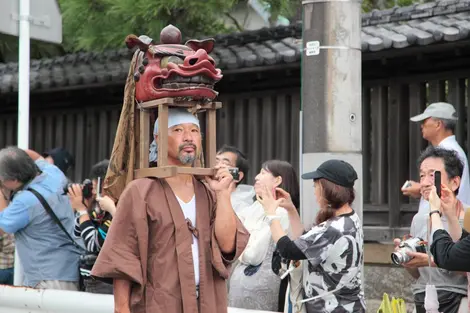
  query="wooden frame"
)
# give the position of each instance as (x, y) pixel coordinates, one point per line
(143, 129)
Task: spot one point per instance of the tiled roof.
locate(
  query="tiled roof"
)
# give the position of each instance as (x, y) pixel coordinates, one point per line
(421, 24)
(397, 28)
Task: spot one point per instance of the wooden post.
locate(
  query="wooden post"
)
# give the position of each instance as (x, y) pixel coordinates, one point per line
(162, 135)
(144, 138)
(210, 138)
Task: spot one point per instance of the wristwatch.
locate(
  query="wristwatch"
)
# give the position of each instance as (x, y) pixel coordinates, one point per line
(81, 213)
(271, 218)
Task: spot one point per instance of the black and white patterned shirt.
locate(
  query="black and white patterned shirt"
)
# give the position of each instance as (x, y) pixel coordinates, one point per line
(334, 250)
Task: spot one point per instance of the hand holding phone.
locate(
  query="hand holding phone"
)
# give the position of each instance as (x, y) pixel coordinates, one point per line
(406, 185)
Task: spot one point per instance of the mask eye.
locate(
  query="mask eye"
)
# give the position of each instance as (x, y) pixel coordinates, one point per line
(171, 59)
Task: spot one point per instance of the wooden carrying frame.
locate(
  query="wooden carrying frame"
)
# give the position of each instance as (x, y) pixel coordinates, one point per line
(142, 127)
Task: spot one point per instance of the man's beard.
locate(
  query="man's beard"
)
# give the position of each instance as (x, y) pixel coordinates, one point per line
(186, 158)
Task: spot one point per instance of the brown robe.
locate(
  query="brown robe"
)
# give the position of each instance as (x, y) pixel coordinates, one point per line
(150, 242)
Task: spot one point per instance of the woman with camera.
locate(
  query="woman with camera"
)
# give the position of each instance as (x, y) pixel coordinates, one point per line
(253, 284)
(333, 249)
(94, 216)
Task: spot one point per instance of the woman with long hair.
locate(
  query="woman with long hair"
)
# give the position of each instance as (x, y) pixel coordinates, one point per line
(253, 285)
(332, 249)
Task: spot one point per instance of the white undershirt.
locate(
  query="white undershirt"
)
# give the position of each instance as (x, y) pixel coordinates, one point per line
(189, 211)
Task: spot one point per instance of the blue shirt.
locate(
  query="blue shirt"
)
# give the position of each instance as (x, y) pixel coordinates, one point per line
(45, 251)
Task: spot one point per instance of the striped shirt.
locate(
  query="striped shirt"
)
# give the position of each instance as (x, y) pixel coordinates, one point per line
(93, 232)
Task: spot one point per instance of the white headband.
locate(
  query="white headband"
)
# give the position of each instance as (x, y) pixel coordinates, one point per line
(176, 116)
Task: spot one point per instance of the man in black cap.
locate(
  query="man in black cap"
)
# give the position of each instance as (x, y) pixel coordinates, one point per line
(60, 158)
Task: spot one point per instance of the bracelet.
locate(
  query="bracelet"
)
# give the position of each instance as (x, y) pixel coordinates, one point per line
(435, 211)
(271, 218)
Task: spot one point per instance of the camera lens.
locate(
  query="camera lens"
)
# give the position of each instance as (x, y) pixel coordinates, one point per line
(397, 258)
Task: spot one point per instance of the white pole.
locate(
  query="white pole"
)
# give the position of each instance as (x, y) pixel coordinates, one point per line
(23, 99)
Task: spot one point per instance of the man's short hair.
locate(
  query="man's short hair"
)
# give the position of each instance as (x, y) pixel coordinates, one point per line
(16, 164)
(242, 161)
(452, 163)
(448, 124)
(99, 169)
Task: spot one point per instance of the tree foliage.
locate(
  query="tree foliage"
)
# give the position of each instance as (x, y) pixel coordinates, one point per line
(103, 24)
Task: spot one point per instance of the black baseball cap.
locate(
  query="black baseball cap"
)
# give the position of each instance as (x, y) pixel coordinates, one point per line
(337, 171)
(62, 158)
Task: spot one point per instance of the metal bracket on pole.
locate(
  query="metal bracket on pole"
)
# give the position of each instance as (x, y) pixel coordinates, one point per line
(313, 48)
(44, 21)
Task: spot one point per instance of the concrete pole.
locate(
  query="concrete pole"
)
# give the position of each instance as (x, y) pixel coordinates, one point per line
(23, 99)
(331, 92)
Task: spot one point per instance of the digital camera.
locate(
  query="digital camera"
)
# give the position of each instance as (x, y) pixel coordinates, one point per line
(87, 188)
(409, 245)
(235, 173)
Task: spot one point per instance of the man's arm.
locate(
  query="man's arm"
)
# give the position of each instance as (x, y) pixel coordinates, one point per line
(14, 215)
(3, 201)
(33, 154)
(122, 295)
(225, 222)
(3, 206)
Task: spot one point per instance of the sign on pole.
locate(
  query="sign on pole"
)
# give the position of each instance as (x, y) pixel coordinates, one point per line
(40, 20)
(45, 19)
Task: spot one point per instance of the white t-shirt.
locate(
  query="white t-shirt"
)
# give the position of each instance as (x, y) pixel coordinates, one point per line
(189, 211)
(450, 143)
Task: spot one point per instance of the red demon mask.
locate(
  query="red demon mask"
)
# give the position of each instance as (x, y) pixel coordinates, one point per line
(170, 69)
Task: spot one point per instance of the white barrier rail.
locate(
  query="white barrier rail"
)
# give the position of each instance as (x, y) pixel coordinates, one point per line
(28, 300)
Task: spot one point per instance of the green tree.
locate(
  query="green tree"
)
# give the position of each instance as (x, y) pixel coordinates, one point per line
(103, 24)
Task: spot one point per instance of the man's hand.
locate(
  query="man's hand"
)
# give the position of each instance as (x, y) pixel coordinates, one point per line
(434, 200)
(412, 191)
(418, 260)
(222, 181)
(76, 197)
(397, 242)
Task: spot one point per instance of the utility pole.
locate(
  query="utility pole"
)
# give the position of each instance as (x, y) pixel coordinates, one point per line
(28, 19)
(331, 92)
(23, 100)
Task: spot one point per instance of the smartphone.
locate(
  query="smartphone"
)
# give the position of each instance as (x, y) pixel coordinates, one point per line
(407, 184)
(98, 194)
(274, 193)
(98, 188)
(437, 182)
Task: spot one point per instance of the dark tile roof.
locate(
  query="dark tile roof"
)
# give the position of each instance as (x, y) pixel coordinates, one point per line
(397, 28)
